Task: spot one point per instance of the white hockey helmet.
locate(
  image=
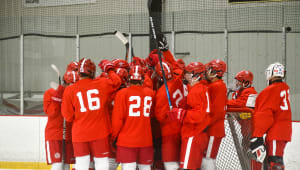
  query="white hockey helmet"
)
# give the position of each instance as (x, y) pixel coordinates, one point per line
(274, 70)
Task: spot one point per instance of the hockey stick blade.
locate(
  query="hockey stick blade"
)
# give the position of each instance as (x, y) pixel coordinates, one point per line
(53, 66)
(53, 85)
(121, 37)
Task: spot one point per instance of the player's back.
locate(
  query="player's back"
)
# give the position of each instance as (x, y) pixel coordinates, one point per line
(218, 98)
(176, 91)
(131, 116)
(273, 105)
(89, 100)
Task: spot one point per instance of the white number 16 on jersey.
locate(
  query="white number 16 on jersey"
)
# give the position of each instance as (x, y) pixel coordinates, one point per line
(93, 102)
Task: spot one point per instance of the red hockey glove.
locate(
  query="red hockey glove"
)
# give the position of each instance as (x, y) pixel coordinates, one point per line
(176, 114)
(58, 93)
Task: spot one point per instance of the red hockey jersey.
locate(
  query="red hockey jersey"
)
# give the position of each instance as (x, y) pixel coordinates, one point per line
(218, 98)
(86, 104)
(197, 116)
(131, 117)
(240, 97)
(272, 113)
(54, 127)
(55, 122)
(161, 108)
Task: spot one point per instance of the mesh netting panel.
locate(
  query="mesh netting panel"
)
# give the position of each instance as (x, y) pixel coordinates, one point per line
(232, 153)
(131, 16)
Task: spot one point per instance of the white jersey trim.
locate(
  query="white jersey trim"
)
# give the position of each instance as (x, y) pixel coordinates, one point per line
(48, 152)
(187, 152)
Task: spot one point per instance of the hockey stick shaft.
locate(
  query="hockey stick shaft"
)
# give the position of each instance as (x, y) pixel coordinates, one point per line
(57, 72)
(159, 54)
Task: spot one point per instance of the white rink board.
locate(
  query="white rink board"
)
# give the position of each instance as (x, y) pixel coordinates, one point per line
(22, 139)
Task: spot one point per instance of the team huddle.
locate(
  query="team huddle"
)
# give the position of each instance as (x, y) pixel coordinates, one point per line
(164, 115)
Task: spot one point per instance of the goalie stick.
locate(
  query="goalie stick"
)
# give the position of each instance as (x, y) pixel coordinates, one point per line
(57, 72)
(125, 41)
(158, 52)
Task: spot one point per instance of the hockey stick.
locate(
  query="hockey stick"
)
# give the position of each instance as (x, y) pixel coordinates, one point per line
(158, 52)
(57, 72)
(125, 41)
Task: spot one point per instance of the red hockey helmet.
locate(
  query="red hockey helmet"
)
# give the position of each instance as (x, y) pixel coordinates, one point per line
(181, 63)
(217, 66)
(244, 76)
(168, 70)
(190, 67)
(136, 72)
(119, 63)
(71, 77)
(138, 61)
(123, 74)
(198, 69)
(102, 63)
(87, 67)
(73, 66)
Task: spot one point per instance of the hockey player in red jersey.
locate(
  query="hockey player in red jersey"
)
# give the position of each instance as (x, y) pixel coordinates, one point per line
(170, 130)
(131, 126)
(54, 131)
(218, 98)
(273, 117)
(244, 90)
(195, 120)
(244, 96)
(85, 104)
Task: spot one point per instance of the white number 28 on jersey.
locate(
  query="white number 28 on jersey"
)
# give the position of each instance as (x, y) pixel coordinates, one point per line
(137, 105)
(93, 102)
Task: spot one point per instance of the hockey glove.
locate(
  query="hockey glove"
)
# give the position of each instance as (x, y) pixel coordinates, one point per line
(162, 42)
(58, 93)
(258, 148)
(176, 114)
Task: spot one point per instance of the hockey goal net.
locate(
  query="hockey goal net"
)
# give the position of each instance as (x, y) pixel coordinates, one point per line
(232, 153)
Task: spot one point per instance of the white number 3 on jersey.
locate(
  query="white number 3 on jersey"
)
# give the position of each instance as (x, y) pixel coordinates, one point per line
(285, 95)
